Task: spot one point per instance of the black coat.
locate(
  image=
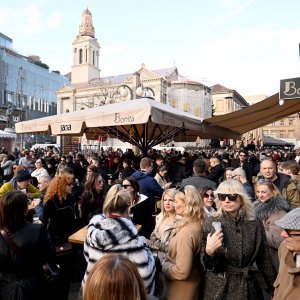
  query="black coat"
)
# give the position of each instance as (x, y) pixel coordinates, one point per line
(242, 266)
(216, 173)
(247, 167)
(59, 219)
(21, 277)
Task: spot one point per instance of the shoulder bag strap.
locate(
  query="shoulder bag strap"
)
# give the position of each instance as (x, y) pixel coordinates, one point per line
(10, 243)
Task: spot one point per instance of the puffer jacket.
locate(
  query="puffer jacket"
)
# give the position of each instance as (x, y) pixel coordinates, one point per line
(118, 235)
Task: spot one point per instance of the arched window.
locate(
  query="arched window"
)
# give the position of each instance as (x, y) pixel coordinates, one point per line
(93, 58)
(80, 56)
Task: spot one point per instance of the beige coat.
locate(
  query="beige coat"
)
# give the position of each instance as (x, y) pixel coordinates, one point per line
(182, 269)
(287, 283)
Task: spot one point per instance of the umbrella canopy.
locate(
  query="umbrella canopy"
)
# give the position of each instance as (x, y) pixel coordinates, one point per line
(142, 122)
(271, 141)
(256, 115)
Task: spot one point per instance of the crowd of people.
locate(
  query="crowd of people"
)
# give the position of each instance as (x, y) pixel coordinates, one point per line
(209, 224)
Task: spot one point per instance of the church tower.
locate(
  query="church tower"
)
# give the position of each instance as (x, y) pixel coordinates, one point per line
(85, 52)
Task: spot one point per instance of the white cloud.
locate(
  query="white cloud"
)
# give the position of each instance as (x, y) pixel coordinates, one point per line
(55, 19)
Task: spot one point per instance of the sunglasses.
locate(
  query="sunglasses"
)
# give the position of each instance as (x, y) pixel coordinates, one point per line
(291, 234)
(231, 197)
(126, 185)
(209, 195)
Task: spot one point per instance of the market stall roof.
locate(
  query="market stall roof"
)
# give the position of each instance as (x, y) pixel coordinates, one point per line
(7, 135)
(143, 122)
(271, 141)
(256, 115)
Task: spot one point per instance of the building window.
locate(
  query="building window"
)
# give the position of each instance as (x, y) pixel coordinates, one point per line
(273, 124)
(281, 122)
(220, 106)
(291, 134)
(80, 56)
(273, 134)
(265, 132)
(281, 135)
(291, 122)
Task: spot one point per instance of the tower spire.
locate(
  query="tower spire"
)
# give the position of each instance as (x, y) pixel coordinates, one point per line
(86, 27)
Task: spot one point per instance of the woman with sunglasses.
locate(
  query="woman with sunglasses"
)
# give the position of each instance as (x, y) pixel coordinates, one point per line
(181, 269)
(208, 200)
(60, 220)
(235, 252)
(39, 170)
(92, 198)
(269, 207)
(140, 211)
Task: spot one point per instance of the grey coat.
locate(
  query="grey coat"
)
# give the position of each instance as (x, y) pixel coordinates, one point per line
(198, 181)
(242, 266)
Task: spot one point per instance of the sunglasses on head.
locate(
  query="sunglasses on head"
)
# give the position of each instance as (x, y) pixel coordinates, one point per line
(181, 189)
(231, 197)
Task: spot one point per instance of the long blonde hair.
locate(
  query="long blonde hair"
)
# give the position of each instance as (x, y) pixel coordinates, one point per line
(194, 212)
(233, 186)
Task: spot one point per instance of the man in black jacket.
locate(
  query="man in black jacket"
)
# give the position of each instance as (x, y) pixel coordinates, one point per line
(242, 162)
(216, 171)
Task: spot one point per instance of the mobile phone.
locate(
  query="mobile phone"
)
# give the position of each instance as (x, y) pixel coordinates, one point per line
(215, 226)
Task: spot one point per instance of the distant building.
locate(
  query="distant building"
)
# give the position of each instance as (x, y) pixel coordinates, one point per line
(26, 84)
(89, 89)
(227, 100)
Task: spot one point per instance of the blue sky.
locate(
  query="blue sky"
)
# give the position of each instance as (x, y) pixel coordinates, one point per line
(246, 45)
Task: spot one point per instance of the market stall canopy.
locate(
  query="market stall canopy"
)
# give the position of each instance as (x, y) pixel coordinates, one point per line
(143, 122)
(256, 115)
(271, 141)
(7, 135)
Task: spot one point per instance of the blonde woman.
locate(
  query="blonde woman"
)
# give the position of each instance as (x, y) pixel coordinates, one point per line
(181, 269)
(165, 224)
(114, 232)
(234, 248)
(269, 207)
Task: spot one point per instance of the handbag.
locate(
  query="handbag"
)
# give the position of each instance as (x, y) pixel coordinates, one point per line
(52, 273)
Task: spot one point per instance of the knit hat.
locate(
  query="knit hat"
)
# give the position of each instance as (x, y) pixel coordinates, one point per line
(290, 221)
(23, 175)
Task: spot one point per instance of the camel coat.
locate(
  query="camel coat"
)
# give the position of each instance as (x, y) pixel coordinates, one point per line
(182, 269)
(287, 283)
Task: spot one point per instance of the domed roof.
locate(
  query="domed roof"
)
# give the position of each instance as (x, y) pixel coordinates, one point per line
(86, 27)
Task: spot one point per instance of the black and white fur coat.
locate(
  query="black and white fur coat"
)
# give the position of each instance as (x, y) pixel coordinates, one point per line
(118, 235)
